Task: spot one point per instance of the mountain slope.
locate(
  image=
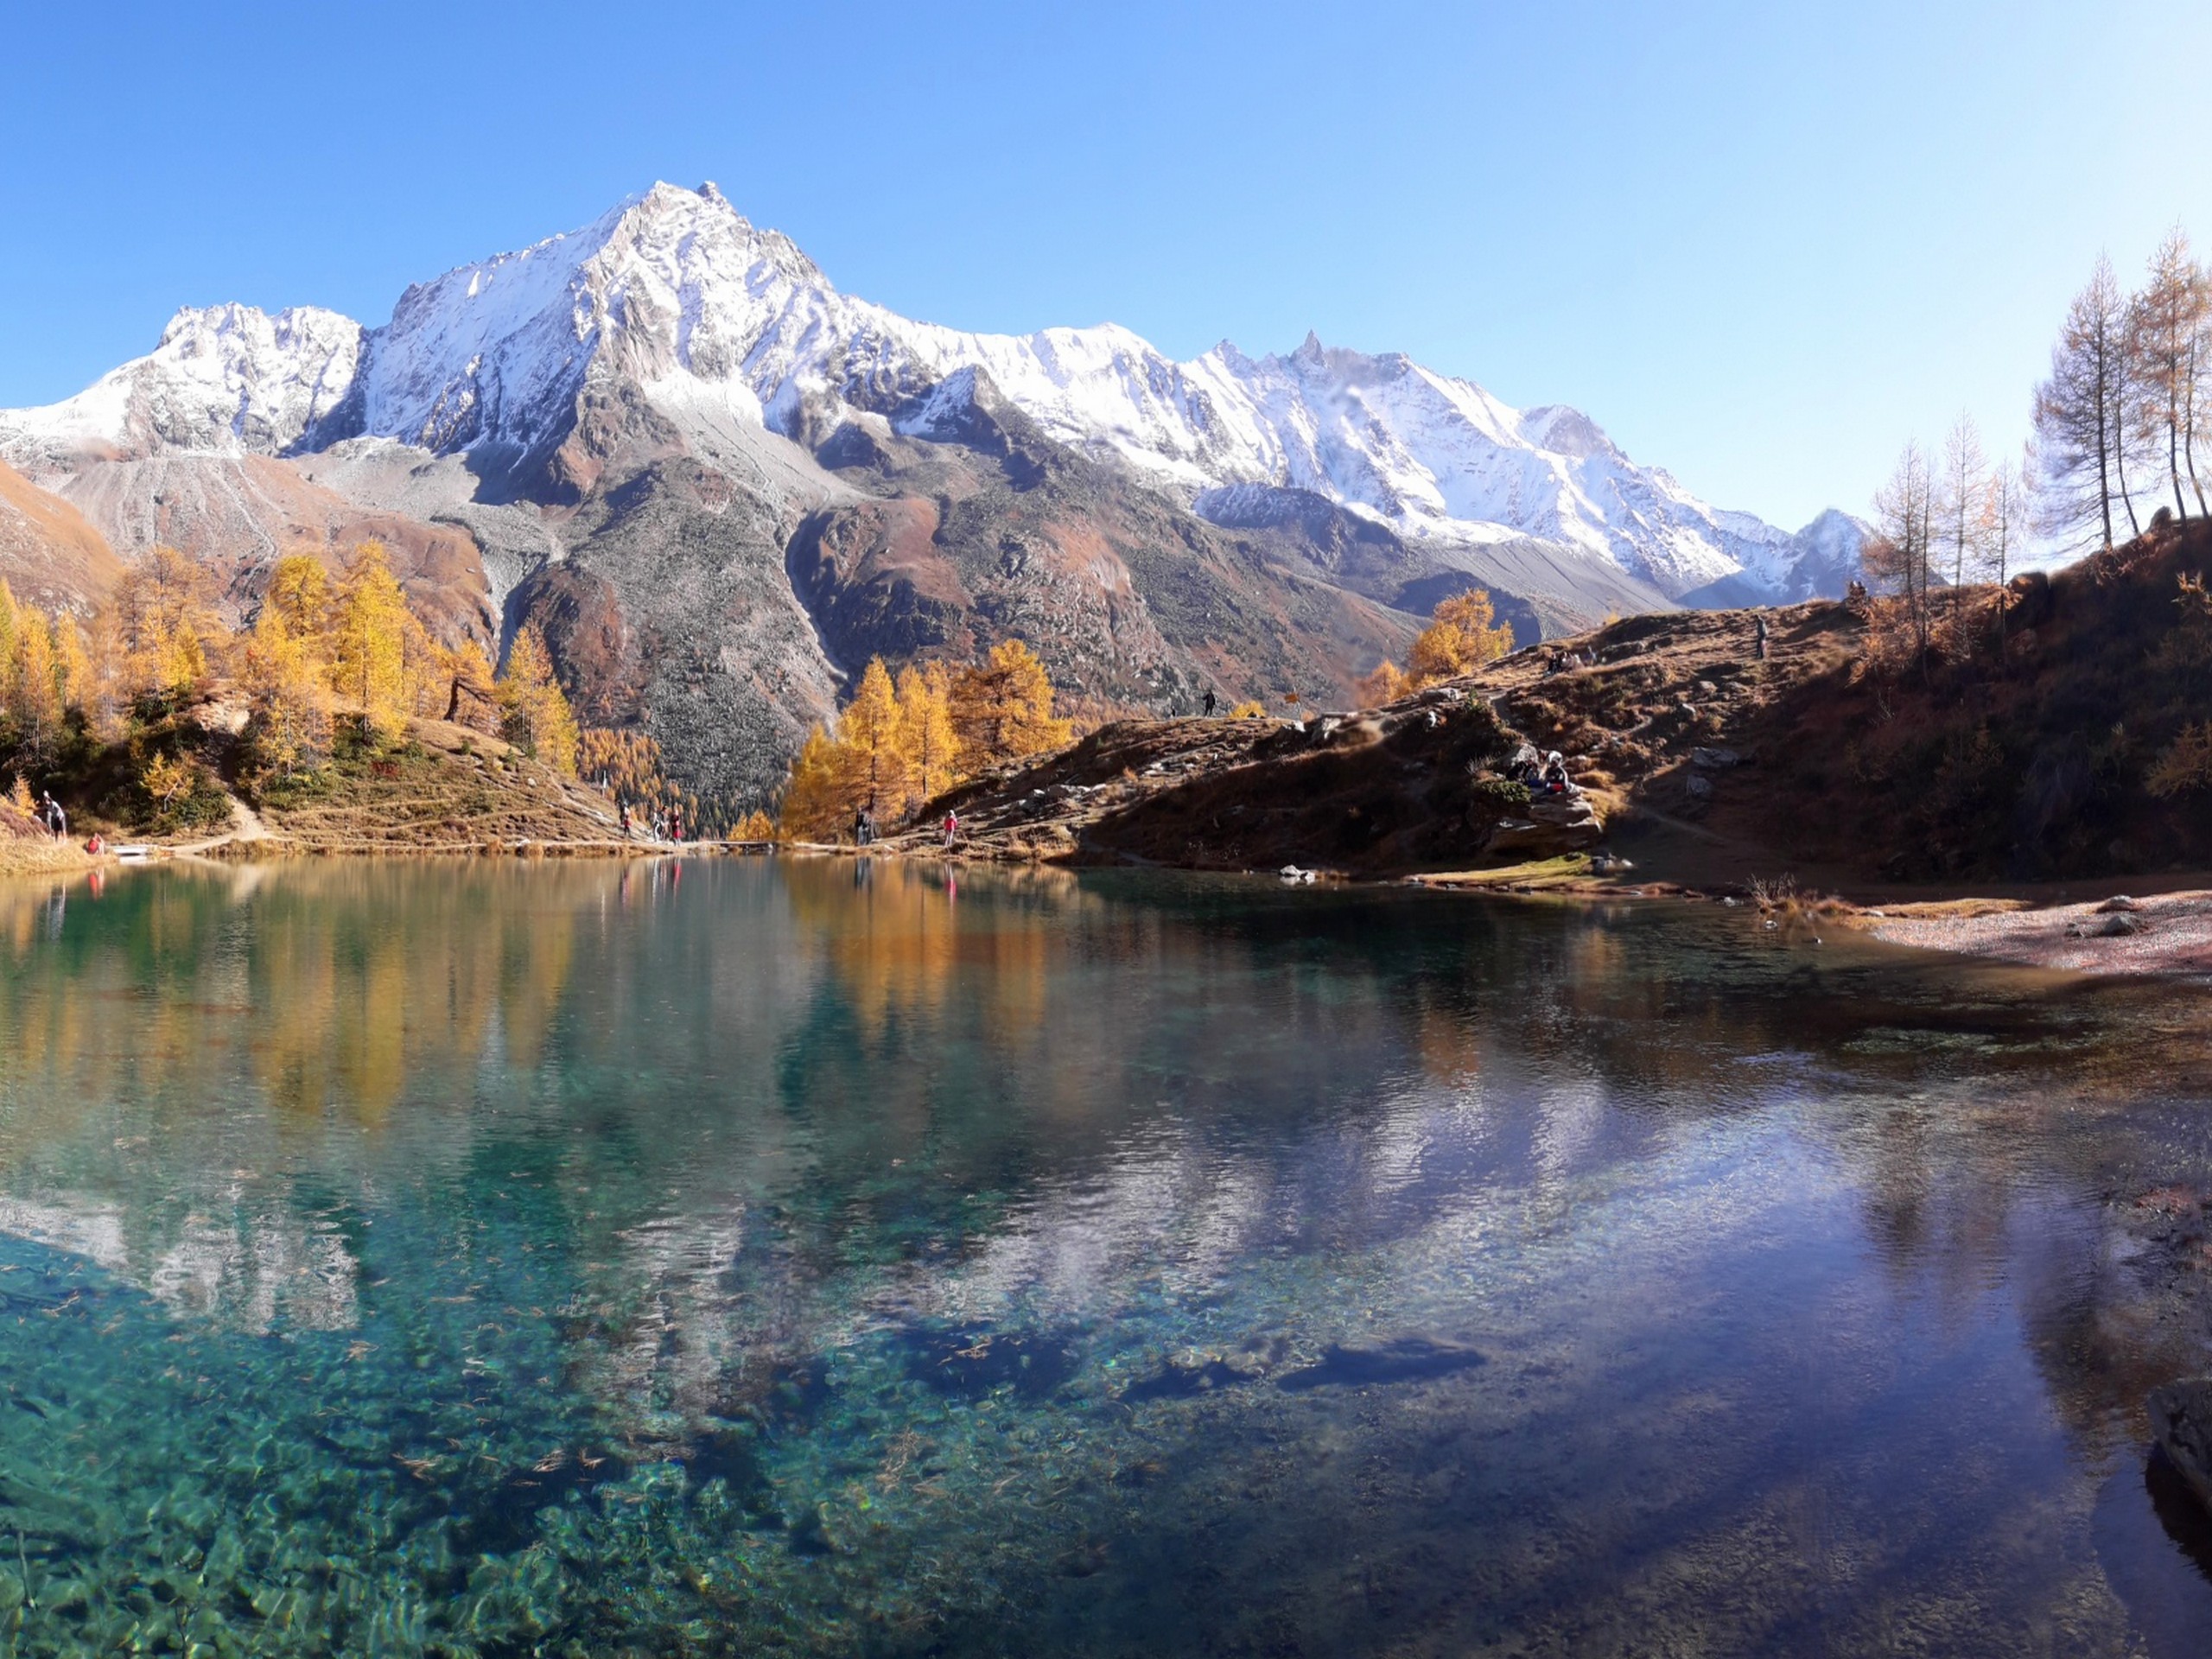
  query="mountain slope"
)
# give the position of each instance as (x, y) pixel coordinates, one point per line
(49, 556)
(720, 483)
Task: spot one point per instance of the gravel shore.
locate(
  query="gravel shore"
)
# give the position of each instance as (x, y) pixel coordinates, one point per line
(2164, 933)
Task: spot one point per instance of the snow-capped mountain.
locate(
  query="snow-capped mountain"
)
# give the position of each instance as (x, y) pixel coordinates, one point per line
(228, 379)
(727, 328)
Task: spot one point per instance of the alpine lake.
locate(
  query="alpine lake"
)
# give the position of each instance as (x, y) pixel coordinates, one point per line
(835, 1256)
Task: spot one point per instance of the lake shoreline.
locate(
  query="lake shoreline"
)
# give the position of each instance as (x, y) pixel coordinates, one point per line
(2158, 934)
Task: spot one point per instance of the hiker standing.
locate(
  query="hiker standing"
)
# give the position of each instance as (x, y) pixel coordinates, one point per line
(1759, 638)
(57, 820)
(952, 829)
(1209, 703)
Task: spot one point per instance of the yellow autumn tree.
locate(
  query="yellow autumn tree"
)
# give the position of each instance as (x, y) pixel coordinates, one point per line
(472, 696)
(167, 635)
(287, 682)
(813, 807)
(1463, 634)
(535, 715)
(11, 621)
(368, 628)
(925, 716)
(1003, 709)
(34, 696)
(299, 594)
(1386, 684)
(72, 663)
(873, 735)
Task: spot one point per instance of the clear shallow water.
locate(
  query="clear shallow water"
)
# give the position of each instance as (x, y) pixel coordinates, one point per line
(740, 1257)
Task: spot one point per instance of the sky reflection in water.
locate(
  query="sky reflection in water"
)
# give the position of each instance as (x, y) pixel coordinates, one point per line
(813, 1257)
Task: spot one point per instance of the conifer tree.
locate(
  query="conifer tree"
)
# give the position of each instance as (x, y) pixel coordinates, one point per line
(1386, 684)
(168, 638)
(535, 713)
(2003, 522)
(1900, 554)
(299, 592)
(34, 698)
(73, 667)
(10, 621)
(925, 714)
(2079, 411)
(2170, 318)
(1961, 506)
(287, 680)
(1463, 634)
(813, 807)
(368, 647)
(873, 735)
(1003, 709)
(470, 691)
(425, 686)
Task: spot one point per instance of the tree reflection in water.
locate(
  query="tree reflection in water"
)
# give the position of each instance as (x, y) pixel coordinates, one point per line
(729, 1254)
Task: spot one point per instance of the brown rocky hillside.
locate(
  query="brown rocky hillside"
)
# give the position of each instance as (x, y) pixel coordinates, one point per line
(1698, 756)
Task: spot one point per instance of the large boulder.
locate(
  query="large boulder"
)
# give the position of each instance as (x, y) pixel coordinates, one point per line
(2181, 1420)
(1555, 824)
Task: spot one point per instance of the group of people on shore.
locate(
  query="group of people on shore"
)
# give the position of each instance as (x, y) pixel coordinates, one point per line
(660, 826)
(864, 827)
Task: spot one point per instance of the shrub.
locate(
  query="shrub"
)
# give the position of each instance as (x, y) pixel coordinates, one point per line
(1501, 794)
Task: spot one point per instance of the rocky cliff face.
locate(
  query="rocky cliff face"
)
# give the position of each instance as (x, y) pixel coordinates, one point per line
(721, 485)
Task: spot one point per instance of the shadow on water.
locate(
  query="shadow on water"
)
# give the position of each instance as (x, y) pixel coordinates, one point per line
(2154, 1539)
(2183, 1513)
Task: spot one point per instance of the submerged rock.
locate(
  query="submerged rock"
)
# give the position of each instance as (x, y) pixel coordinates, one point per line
(1406, 1359)
(970, 1362)
(1177, 1381)
(2181, 1420)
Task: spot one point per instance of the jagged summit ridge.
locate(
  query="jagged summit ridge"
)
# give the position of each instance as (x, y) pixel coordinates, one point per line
(722, 324)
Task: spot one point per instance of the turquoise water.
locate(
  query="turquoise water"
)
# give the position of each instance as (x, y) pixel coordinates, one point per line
(745, 1258)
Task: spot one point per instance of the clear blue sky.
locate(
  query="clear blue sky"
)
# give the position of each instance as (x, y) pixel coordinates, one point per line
(1761, 243)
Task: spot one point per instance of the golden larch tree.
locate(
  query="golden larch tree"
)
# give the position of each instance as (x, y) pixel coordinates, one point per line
(1003, 709)
(34, 698)
(299, 592)
(873, 736)
(1463, 633)
(932, 746)
(368, 639)
(472, 697)
(287, 686)
(535, 714)
(168, 638)
(813, 807)
(1386, 684)
(10, 615)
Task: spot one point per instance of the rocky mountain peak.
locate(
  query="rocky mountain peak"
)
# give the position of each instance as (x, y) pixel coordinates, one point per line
(679, 310)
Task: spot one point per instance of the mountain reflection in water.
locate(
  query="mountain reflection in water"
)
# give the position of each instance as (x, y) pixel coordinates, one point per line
(826, 1256)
